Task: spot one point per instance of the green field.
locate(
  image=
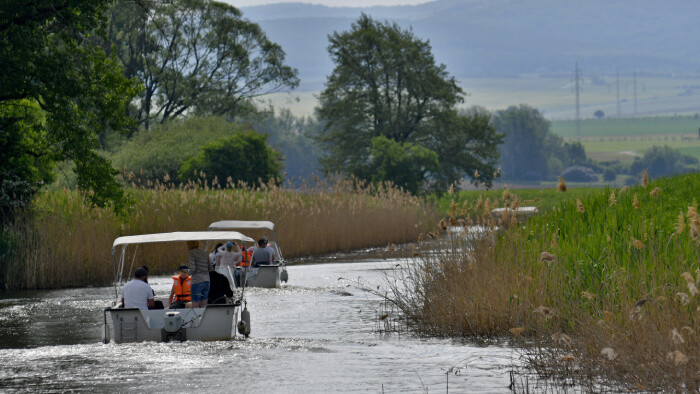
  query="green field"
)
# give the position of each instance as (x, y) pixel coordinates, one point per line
(626, 138)
(551, 94)
(667, 112)
(657, 125)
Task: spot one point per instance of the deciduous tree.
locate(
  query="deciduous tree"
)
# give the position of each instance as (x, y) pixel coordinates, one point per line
(196, 56)
(386, 83)
(50, 66)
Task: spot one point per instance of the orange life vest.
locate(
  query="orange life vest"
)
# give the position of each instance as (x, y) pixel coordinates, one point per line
(182, 288)
(245, 260)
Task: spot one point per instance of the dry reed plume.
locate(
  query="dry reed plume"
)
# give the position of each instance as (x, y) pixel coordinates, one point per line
(69, 244)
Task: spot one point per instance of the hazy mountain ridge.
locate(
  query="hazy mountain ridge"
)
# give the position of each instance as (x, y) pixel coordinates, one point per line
(508, 37)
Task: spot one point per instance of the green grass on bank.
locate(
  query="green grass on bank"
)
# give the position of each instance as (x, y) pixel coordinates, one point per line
(545, 199)
(629, 126)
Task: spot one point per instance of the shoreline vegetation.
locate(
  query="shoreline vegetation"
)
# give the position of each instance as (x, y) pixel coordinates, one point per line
(65, 243)
(603, 285)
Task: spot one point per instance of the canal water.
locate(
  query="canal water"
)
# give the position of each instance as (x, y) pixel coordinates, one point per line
(320, 333)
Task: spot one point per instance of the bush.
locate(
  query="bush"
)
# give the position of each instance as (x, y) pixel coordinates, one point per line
(243, 157)
(405, 164)
(152, 154)
(579, 174)
(609, 175)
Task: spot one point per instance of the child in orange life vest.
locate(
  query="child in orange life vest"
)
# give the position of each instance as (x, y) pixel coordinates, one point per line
(181, 290)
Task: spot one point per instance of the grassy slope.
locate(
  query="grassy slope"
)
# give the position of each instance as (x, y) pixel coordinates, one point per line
(594, 274)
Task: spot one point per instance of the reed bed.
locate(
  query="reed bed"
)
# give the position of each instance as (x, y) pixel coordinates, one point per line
(603, 286)
(66, 243)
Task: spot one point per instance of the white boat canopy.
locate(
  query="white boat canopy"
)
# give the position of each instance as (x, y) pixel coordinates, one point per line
(182, 236)
(242, 224)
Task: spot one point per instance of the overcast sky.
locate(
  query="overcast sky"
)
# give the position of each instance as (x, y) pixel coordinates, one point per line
(332, 3)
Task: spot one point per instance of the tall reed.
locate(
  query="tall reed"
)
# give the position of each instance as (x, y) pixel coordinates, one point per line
(69, 244)
(608, 289)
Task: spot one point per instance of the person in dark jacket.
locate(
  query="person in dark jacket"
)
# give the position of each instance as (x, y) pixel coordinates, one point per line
(219, 288)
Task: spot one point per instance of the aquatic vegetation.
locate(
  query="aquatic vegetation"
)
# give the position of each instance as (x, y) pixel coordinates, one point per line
(611, 270)
(67, 243)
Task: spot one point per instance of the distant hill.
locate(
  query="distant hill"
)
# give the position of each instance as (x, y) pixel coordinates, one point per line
(507, 37)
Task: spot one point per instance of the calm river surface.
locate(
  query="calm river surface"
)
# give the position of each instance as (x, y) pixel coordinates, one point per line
(316, 334)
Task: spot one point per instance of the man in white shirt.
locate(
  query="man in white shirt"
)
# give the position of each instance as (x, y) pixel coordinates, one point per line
(137, 293)
(272, 252)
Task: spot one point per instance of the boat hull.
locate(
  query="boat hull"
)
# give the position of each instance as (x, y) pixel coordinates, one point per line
(213, 323)
(267, 276)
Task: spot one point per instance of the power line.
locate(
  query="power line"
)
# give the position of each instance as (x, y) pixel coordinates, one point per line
(576, 79)
(617, 88)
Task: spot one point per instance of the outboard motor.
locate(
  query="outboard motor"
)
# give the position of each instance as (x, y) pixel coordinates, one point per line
(284, 276)
(172, 327)
(244, 323)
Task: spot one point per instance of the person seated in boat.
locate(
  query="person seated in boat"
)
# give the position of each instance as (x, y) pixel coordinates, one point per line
(157, 304)
(229, 256)
(261, 254)
(246, 255)
(137, 293)
(219, 288)
(272, 250)
(182, 289)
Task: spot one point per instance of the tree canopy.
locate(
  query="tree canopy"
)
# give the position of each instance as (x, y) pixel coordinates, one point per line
(524, 149)
(244, 156)
(57, 92)
(197, 56)
(386, 83)
(664, 161)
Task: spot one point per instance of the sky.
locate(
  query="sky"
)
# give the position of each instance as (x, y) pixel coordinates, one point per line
(331, 3)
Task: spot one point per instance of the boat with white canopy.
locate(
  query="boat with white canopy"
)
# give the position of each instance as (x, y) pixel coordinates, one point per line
(211, 323)
(269, 276)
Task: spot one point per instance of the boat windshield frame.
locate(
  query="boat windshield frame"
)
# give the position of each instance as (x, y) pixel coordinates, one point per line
(119, 247)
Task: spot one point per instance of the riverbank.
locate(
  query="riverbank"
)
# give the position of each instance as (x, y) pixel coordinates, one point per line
(605, 285)
(65, 243)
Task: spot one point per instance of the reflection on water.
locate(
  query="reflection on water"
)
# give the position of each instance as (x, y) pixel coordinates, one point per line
(317, 334)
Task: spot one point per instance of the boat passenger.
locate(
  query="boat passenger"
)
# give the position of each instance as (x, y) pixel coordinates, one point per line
(199, 268)
(271, 250)
(229, 256)
(158, 304)
(246, 255)
(214, 253)
(220, 288)
(137, 293)
(261, 255)
(181, 290)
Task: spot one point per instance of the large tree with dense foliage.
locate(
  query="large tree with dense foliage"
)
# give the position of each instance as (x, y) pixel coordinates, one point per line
(527, 138)
(531, 152)
(386, 83)
(196, 56)
(57, 92)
